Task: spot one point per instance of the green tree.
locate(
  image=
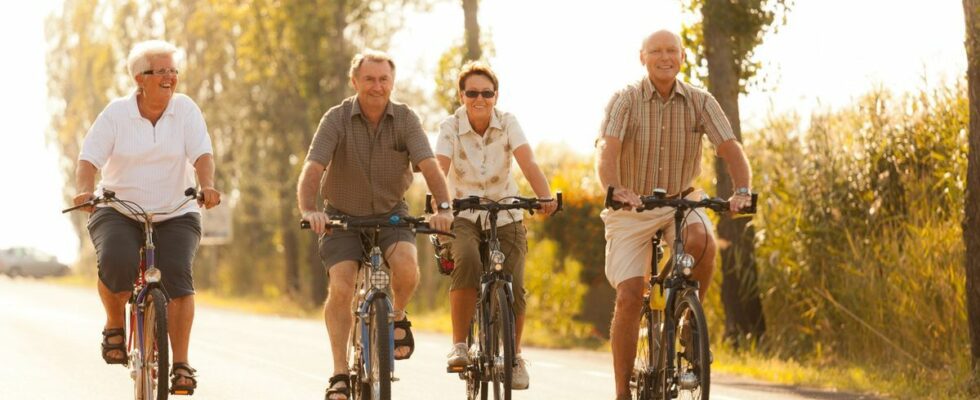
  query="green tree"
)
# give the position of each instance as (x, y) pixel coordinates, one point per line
(723, 42)
(971, 219)
(473, 47)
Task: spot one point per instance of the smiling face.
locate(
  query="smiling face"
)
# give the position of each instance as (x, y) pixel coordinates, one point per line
(373, 82)
(159, 81)
(479, 107)
(662, 55)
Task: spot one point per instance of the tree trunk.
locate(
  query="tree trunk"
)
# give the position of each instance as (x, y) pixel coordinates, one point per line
(472, 27)
(739, 290)
(971, 220)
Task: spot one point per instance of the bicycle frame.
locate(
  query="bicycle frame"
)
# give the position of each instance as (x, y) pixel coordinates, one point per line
(366, 292)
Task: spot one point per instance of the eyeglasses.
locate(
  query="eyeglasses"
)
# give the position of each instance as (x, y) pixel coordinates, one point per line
(161, 71)
(487, 94)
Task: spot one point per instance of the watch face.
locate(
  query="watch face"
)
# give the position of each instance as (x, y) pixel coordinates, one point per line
(444, 206)
(742, 190)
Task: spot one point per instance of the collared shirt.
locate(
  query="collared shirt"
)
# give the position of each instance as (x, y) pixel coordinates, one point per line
(481, 164)
(146, 164)
(662, 137)
(368, 169)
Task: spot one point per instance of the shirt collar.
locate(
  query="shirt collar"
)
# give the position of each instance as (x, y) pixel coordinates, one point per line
(357, 108)
(134, 108)
(464, 121)
(648, 91)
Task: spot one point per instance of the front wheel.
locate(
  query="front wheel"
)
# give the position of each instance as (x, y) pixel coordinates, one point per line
(691, 378)
(645, 365)
(502, 345)
(378, 373)
(151, 361)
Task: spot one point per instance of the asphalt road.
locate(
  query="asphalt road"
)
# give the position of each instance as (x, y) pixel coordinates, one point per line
(49, 349)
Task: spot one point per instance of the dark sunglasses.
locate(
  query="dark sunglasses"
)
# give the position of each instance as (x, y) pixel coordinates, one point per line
(487, 94)
(161, 71)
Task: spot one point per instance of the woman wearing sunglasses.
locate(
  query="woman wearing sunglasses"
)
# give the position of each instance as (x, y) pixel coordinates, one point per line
(476, 147)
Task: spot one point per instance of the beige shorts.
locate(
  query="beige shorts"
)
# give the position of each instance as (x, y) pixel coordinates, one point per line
(628, 237)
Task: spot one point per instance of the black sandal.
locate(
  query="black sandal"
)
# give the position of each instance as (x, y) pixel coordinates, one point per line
(408, 340)
(331, 390)
(187, 374)
(108, 347)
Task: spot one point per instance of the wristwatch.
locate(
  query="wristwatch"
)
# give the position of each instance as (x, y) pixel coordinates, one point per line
(743, 191)
(444, 206)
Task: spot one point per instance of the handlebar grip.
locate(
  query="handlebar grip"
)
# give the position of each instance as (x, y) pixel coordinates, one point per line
(610, 203)
(108, 194)
(751, 209)
(428, 203)
(304, 224)
(558, 197)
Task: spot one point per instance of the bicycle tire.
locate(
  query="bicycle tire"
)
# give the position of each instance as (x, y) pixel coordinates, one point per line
(381, 348)
(647, 359)
(695, 359)
(475, 386)
(152, 375)
(503, 346)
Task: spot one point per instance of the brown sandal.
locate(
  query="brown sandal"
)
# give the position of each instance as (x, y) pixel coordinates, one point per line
(109, 347)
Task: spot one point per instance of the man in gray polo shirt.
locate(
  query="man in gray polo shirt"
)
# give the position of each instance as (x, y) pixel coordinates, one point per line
(366, 146)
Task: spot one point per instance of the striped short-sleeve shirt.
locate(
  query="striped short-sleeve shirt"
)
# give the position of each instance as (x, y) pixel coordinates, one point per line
(368, 169)
(661, 138)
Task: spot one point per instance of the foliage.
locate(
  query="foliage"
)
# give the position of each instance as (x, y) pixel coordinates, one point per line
(858, 238)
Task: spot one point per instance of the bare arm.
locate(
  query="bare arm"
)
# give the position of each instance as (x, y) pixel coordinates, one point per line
(607, 165)
(738, 167)
(444, 163)
(204, 167)
(435, 179)
(534, 175)
(84, 183)
(309, 184)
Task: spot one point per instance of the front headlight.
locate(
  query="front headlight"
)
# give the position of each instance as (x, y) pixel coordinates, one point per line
(686, 263)
(380, 279)
(497, 257)
(152, 275)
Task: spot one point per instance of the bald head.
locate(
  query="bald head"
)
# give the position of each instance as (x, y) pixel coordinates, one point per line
(661, 36)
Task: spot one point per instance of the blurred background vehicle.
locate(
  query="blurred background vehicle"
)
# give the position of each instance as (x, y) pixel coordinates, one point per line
(26, 261)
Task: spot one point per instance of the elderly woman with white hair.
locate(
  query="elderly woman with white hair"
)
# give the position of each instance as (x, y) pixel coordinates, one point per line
(145, 145)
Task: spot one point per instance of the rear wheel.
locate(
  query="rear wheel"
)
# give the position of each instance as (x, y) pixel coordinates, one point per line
(692, 360)
(152, 364)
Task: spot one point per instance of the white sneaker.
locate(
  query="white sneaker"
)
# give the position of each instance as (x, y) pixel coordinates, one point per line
(459, 356)
(519, 378)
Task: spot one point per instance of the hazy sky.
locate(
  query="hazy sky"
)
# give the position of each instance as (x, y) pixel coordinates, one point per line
(558, 63)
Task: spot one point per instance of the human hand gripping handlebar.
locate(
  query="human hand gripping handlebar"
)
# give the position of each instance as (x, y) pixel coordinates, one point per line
(659, 199)
(109, 196)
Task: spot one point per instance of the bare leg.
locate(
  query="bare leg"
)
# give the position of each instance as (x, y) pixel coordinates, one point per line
(337, 313)
(462, 306)
(625, 330)
(115, 311)
(403, 261)
(180, 317)
(702, 246)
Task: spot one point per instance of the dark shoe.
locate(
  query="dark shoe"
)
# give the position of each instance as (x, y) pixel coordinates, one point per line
(408, 340)
(183, 372)
(333, 389)
(110, 347)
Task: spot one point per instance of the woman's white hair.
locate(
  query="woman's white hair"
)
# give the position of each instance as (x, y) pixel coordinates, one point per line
(139, 57)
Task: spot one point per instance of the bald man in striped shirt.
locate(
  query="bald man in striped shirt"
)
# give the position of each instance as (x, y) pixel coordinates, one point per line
(651, 139)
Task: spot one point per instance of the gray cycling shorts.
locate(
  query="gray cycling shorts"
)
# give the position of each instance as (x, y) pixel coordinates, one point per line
(118, 239)
(341, 245)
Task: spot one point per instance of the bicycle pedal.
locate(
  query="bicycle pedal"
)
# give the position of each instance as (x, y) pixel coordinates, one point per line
(455, 369)
(182, 392)
(394, 378)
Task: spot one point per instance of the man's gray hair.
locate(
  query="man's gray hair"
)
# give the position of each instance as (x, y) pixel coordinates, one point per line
(369, 55)
(139, 57)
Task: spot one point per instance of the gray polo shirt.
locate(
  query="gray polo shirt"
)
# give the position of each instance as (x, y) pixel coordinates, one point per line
(368, 172)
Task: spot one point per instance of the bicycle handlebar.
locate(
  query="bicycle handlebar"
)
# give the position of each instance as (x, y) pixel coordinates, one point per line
(659, 200)
(416, 224)
(483, 204)
(109, 196)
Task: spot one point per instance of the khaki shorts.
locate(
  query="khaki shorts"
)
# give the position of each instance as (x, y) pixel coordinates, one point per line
(628, 237)
(465, 249)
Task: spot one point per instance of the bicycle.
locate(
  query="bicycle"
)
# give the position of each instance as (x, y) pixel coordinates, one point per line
(148, 342)
(660, 370)
(371, 344)
(492, 337)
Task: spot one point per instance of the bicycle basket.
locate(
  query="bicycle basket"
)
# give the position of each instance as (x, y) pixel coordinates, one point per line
(444, 258)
